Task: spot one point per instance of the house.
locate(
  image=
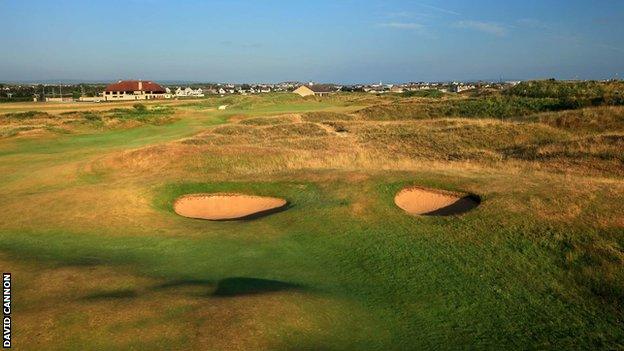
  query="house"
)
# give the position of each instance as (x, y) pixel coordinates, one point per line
(59, 99)
(189, 92)
(134, 90)
(374, 89)
(90, 98)
(315, 89)
(459, 87)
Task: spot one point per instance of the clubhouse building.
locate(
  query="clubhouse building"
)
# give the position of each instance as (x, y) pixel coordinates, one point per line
(134, 90)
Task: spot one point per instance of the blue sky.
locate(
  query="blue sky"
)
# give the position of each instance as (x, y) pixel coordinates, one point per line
(345, 41)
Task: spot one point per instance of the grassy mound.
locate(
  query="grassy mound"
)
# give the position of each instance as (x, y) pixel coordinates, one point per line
(588, 120)
(490, 107)
(326, 116)
(13, 124)
(265, 121)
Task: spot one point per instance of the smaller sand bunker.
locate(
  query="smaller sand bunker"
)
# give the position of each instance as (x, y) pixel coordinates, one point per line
(224, 207)
(430, 202)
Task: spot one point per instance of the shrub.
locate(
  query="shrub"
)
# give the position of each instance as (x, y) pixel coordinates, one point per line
(27, 115)
(558, 90)
(93, 117)
(426, 93)
(139, 107)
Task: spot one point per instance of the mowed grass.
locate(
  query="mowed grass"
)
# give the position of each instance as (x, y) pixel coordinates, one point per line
(100, 260)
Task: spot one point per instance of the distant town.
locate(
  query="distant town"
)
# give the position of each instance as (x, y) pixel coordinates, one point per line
(146, 89)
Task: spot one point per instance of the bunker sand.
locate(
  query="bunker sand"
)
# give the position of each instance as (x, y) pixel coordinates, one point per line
(430, 202)
(223, 207)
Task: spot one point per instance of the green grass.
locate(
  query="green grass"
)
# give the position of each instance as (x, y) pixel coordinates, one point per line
(427, 283)
(112, 140)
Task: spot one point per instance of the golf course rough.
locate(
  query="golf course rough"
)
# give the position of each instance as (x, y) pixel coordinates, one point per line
(226, 206)
(432, 202)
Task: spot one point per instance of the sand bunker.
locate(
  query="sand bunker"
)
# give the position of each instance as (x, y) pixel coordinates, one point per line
(223, 207)
(429, 202)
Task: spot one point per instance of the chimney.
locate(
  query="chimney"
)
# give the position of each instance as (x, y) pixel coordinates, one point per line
(140, 85)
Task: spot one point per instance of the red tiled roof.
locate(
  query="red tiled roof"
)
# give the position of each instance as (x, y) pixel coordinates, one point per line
(133, 85)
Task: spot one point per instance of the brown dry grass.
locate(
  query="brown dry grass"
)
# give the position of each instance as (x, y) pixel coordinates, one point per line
(357, 144)
(595, 119)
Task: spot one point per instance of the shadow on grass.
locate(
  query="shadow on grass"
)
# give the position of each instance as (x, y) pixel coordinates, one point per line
(114, 294)
(83, 261)
(185, 283)
(229, 287)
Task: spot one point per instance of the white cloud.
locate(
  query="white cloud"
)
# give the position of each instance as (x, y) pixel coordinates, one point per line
(485, 27)
(439, 9)
(403, 25)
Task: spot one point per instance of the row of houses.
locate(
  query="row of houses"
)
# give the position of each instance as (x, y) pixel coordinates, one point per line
(445, 87)
(141, 90)
(380, 88)
(148, 90)
(187, 92)
(145, 90)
